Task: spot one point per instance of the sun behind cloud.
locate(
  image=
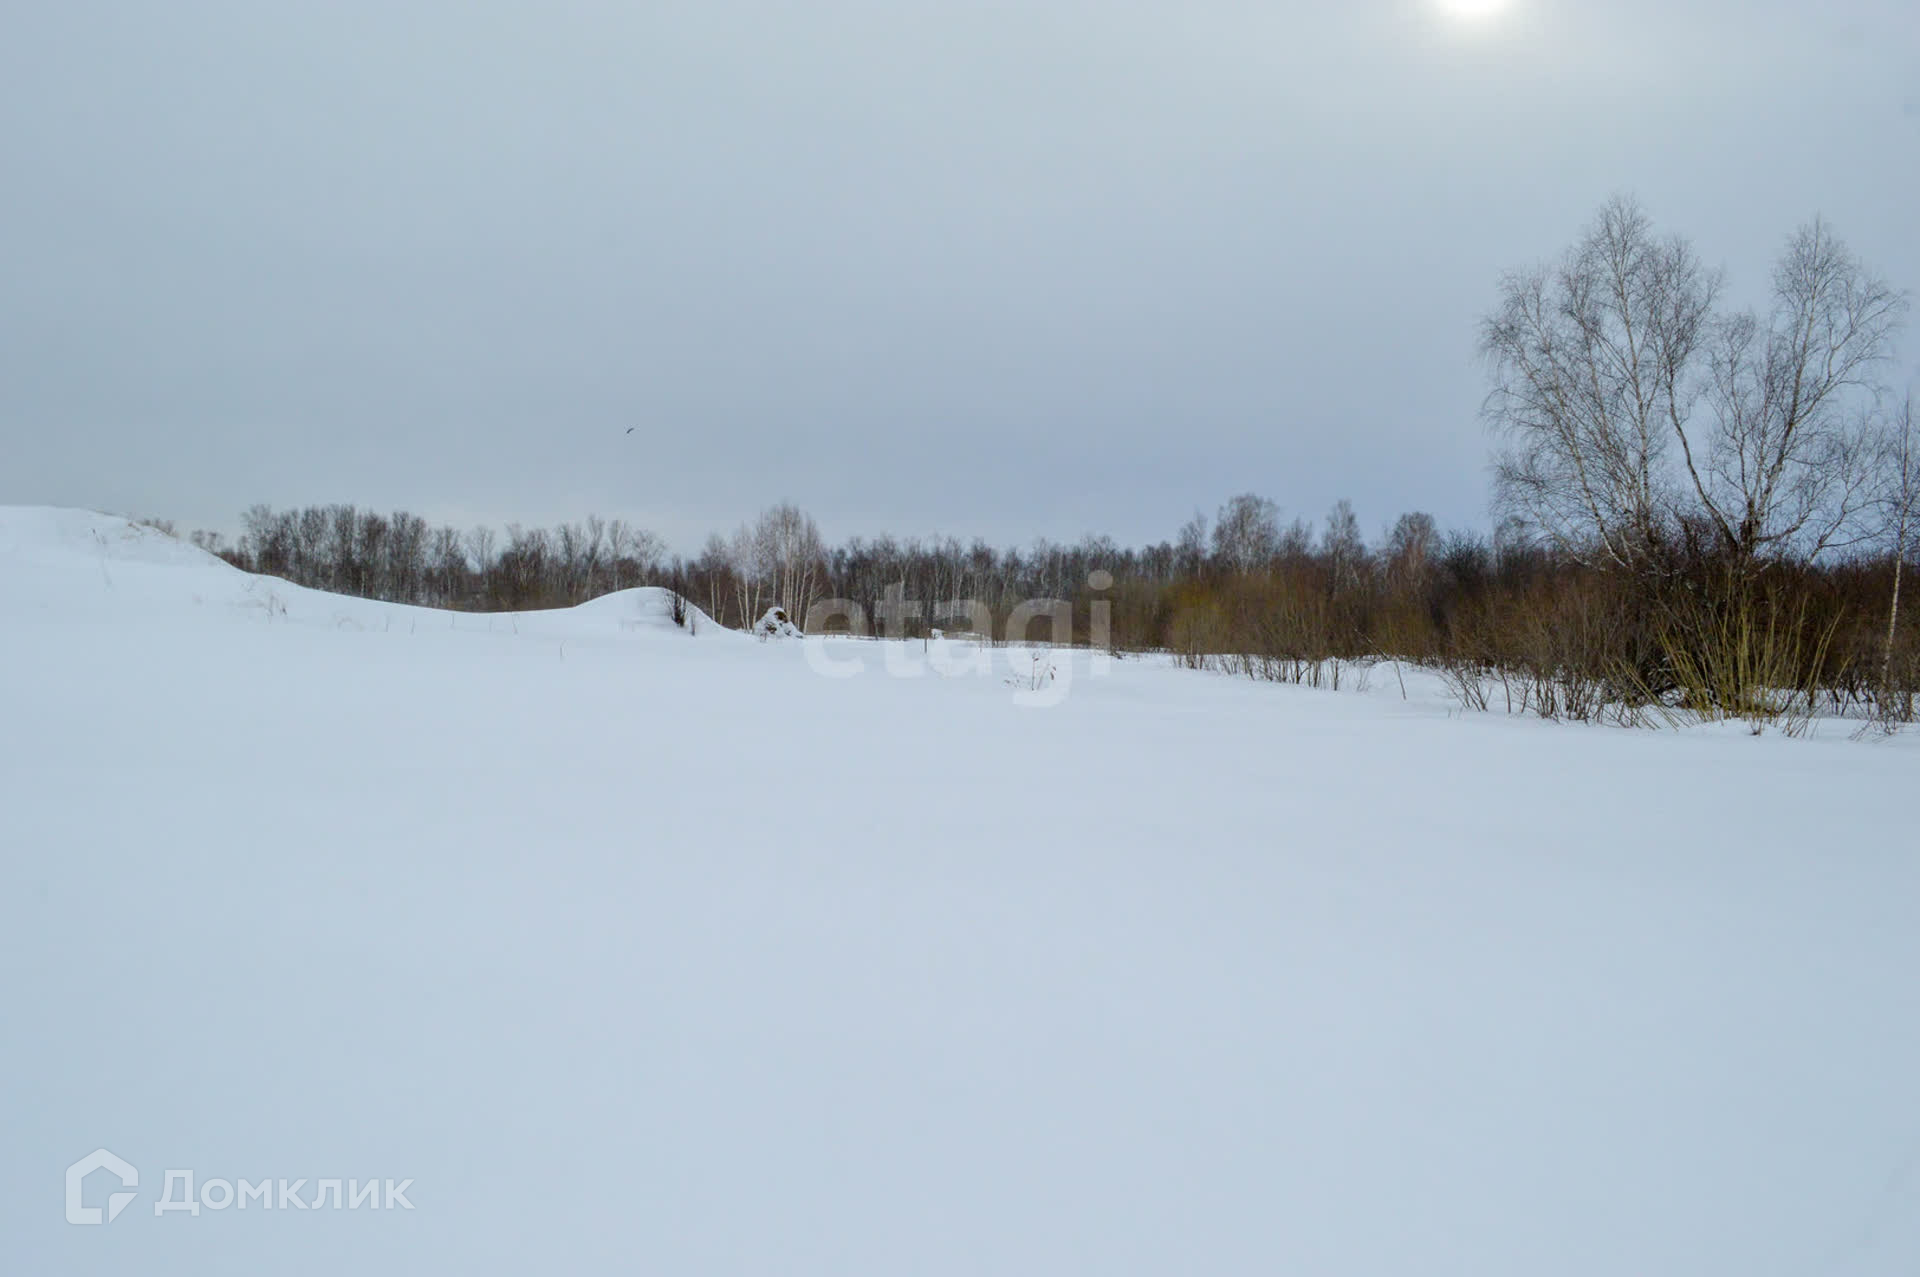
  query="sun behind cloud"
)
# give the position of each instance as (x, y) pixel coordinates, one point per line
(1473, 10)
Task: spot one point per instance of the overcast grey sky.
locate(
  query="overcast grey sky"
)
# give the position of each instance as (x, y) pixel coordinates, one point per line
(996, 268)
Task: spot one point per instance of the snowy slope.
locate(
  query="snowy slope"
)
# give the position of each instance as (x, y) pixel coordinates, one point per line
(73, 564)
(639, 954)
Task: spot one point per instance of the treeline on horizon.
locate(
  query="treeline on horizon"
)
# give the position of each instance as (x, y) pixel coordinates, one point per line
(1704, 511)
(1510, 619)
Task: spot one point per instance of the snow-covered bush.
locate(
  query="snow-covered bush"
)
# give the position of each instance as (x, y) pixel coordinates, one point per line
(775, 623)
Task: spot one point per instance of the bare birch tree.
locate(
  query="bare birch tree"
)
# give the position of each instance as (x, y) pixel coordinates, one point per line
(1591, 362)
(1790, 465)
(1629, 406)
(1246, 533)
(794, 553)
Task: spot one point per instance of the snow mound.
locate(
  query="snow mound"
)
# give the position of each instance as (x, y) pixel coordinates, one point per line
(647, 609)
(52, 535)
(82, 564)
(775, 623)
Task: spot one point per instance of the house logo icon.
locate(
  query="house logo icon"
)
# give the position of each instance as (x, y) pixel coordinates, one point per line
(98, 1160)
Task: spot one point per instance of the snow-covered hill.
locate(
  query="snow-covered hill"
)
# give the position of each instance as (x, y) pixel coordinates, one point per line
(642, 954)
(78, 563)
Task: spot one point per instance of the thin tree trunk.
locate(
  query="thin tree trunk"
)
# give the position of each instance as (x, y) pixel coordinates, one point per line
(1904, 519)
(1893, 620)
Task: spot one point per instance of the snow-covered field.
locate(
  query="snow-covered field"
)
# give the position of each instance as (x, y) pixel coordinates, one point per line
(645, 953)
